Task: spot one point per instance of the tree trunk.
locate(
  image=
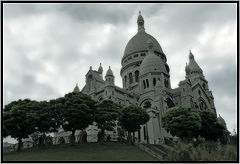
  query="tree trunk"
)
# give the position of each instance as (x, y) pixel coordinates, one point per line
(102, 136)
(133, 137)
(129, 137)
(43, 139)
(19, 144)
(72, 140)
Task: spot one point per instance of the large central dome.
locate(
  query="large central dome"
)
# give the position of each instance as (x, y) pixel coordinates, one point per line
(139, 43)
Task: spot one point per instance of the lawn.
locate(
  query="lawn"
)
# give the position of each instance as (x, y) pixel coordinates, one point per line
(81, 152)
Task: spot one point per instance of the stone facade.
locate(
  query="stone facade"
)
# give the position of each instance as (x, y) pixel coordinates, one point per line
(146, 83)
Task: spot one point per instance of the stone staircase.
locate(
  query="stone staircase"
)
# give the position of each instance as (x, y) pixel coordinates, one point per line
(157, 151)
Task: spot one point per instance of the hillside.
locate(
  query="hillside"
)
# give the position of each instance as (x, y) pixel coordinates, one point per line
(81, 152)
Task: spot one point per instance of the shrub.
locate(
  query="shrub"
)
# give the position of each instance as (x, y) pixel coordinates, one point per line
(204, 151)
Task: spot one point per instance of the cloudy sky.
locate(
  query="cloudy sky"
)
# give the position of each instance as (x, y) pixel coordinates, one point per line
(48, 48)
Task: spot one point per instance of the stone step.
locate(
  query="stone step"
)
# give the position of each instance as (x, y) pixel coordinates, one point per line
(149, 151)
(157, 150)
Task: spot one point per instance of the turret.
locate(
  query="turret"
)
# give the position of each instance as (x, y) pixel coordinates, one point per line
(76, 89)
(109, 78)
(100, 69)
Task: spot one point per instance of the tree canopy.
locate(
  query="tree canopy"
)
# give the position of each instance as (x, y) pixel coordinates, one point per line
(105, 115)
(77, 112)
(182, 122)
(210, 128)
(19, 119)
(132, 117)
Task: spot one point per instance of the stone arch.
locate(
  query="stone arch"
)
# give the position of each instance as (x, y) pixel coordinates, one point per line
(61, 140)
(146, 100)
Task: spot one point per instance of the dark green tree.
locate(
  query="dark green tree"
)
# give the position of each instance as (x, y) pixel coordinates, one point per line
(182, 122)
(131, 118)
(105, 115)
(210, 128)
(18, 119)
(45, 121)
(77, 112)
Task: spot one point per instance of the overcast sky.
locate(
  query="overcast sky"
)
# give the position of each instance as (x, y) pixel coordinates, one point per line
(48, 48)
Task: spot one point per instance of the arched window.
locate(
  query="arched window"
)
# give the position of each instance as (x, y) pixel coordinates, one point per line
(204, 86)
(136, 76)
(144, 84)
(130, 78)
(170, 103)
(147, 83)
(199, 92)
(125, 80)
(196, 105)
(202, 105)
(154, 81)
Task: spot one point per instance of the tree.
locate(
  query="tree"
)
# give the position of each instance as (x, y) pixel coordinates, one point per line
(131, 118)
(44, 121)
(18, 119)
(182, 122)
(105, 115)
(76, 113)
(210, 128)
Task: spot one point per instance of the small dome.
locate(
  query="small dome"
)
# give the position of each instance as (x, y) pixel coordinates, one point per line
(76, 89)
(109, 72)
(100, 69)
(152, 62)
(221, 120)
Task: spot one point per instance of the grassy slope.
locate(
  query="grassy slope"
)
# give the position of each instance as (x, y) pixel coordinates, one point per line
(81, 152)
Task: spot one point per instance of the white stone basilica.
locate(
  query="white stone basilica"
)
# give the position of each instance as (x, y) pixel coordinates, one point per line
(146, 83)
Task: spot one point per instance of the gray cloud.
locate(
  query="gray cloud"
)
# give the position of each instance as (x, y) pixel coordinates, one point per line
(49, 47)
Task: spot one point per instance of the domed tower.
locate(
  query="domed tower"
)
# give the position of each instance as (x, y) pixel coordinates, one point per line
(109, 78)
(153, 70)
(134, 53)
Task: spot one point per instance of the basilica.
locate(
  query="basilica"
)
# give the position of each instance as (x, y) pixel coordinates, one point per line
(146, 83)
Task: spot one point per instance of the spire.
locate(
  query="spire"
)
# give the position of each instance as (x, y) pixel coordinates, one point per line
(193, 66)
(100, 69)
(76, 89)
(191, 56)
(140, 22)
